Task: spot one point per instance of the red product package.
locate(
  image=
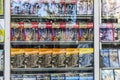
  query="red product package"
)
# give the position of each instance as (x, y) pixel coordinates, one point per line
(48, 24)
(20, 24)
(62, 25)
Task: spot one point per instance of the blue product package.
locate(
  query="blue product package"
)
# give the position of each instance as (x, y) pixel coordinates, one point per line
(43, 77)
(57, 77)
(72, 76)
(104, 54)
(86, 76)
(107, 74)
(29, 77)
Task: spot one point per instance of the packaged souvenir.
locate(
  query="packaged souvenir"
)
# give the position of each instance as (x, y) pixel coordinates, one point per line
(81, 7)
(17, 58)
(59, 76)
(71, 34)
(29, 77)
(72, 76)
(14, 25)
(113, 54)
(2, 31)
(43, 77)
(104, 58)
(86, 76)
(35, 7)
(42, 11)
(58, 57)
(1, 7)
(61, 9)
(1, 59)
(45, 34)
(109, 7)
(117, 74)
(91, 34)
(107, 75)
(107, 34)
(86, 58)
(117, 34)
(31, 58)
(90, 7)
(16, 77)
(16, 7)
(59, 34)
(45, 57)
(31, 34)
(17, 34)
(72, 57)
(84, 34)
(52, 9)
(27, 7)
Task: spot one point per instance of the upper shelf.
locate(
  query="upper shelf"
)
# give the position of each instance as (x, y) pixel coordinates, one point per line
(48, 42)
(54, 17)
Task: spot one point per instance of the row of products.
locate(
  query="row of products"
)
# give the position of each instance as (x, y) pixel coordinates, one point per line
(51, 57)
(54, 76)
(1, 59)
(52, 34)
(51, 25)
(110, 58)
(110, 34)
(37, 7)
(110, 74)
(111, 8)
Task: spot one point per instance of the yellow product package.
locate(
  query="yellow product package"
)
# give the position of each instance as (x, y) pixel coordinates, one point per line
(58, 57)
(17, 58)
(1, 7)
(45, 57)
(72, 56)
(86, 57)
(2, 35)
(31, 58)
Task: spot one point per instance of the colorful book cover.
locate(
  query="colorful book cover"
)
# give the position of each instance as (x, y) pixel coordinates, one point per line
(86, 58)
(104, 58)
(86, 76)
(1, 60)
(72, 76)
(1, 7)
(107, 75)
(43, 77)
(57, 77)
(113, 55)
(117, 74)
(107, 34)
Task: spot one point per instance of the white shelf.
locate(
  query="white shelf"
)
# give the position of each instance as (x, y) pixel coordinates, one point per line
(52, 69)
(110, 68)
(48, 42)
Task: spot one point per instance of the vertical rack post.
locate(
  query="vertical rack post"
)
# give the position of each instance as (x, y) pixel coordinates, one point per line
(96, 39)
(7, 40)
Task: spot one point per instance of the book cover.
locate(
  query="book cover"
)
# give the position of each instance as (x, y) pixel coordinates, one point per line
(113, 55)
(107, 75)
(117, 74)
(104, 58)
